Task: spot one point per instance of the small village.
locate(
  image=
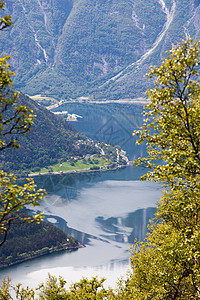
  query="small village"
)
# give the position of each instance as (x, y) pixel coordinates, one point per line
(106, 158)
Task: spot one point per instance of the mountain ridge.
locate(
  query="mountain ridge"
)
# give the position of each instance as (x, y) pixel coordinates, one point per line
(73, 48)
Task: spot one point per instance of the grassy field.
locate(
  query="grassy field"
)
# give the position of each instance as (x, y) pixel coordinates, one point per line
(77, 165)
(46, 101)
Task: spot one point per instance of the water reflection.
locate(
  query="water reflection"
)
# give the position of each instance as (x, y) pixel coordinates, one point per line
(114, 212)
(127, 229)
(119, 229)
(111, 123)
(104, 211)
(82, 237)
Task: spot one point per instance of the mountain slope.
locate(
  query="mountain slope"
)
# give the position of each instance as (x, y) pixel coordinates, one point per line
(51, 140)
(71, 48)
(26, 241)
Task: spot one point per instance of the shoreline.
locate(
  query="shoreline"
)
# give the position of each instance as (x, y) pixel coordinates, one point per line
(48, 252)
(78, 172)
(121, 101)
(136, 101)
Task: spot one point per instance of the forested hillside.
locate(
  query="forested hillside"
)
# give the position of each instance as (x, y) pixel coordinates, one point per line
(33, 240)
(51, 140)
(92, 48)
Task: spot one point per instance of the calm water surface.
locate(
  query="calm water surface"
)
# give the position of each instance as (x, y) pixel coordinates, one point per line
(105, 212)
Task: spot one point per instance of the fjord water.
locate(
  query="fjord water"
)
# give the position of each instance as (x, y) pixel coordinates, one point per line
(104, 211)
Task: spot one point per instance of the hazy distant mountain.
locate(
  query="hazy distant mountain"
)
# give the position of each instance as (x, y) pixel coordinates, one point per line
(95, 48)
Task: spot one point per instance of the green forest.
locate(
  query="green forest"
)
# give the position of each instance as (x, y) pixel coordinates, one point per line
(26, 241)
(68, 48)
(50, 141)
(166, 265)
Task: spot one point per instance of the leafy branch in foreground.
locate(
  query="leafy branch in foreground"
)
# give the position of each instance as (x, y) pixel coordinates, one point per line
(14, 119)
(5, 21)
(172, 122)
(54, 289)
(167, 264)
(13, 200)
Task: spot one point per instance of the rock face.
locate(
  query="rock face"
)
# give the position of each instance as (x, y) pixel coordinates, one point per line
(92, 48)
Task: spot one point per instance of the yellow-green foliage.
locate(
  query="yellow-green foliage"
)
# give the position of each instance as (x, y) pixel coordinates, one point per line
(167, 264)
(14, 120)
